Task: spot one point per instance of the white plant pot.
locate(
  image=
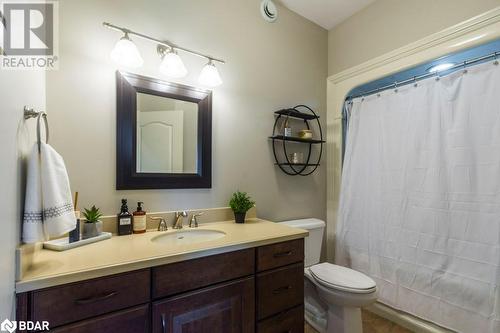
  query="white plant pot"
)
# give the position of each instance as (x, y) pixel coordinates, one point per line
(91, 229)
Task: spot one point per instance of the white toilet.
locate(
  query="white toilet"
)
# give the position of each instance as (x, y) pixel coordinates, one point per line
(334, 294)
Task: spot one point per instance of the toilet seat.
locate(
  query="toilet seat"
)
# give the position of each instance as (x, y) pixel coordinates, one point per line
(342, 278)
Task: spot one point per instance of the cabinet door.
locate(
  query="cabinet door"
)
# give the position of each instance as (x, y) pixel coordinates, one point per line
(225, 308)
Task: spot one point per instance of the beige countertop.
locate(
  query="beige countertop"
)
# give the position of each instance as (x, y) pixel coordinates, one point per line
(126, 253)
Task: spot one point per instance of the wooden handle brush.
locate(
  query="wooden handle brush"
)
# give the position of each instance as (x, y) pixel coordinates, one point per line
(75, 202)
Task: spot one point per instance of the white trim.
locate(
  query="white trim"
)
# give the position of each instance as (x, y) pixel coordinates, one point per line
(428, 42)
(405, 320)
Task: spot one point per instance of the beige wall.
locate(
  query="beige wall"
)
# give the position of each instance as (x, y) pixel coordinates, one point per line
(17, 89)
(386, 25)
(269, 66)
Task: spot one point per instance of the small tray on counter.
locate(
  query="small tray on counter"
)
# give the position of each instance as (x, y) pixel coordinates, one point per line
(63, 244)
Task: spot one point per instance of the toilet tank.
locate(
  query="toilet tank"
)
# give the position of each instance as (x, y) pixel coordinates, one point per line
(312, 243)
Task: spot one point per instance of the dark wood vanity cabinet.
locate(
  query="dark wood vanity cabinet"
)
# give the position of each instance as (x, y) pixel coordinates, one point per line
(253, 290)
(87, 299)
(225, 308)
(135, 319)
(197, 273)
(280, 254)
(278, 289)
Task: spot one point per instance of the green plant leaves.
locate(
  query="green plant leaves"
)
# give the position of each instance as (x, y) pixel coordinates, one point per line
(241, 202)
(92, 215)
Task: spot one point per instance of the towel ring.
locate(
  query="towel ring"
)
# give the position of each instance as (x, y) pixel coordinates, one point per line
(31, 113)
(38, 132)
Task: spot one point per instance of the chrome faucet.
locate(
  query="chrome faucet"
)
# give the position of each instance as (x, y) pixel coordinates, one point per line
(193, 221)
(179, 218)
(162, 225)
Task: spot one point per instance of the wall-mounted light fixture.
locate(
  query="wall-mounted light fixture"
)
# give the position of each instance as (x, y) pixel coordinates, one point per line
(126, 54)
(209, 75)
(171, 64)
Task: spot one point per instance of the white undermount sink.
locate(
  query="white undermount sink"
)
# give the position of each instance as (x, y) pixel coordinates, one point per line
(188, 236)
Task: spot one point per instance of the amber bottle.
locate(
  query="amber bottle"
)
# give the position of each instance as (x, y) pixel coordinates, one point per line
(139, 222)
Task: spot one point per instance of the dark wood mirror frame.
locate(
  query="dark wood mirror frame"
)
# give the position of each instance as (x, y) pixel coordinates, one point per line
(127, 177)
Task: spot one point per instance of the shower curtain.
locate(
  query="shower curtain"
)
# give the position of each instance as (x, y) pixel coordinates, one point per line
(420, 198)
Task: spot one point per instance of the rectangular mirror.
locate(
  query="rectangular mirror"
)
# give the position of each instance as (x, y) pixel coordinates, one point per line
(164, 134)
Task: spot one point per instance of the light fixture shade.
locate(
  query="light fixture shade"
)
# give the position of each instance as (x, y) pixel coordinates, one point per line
(209, 76)
(173, 66)
(126, 54)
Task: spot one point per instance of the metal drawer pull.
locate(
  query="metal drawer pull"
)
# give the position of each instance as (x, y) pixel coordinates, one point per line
(89, 300)
(163, 323)
(281, 289)
(282, 254)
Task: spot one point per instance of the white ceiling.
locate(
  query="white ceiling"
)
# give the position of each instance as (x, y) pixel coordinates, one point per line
(326, 13)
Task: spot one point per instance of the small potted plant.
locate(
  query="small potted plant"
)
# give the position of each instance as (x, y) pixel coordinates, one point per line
(92, 226)
(240, 203)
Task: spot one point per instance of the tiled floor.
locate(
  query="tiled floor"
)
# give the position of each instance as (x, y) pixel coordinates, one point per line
(373, 324)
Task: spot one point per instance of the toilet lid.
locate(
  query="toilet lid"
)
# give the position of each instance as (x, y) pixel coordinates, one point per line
(342, 278)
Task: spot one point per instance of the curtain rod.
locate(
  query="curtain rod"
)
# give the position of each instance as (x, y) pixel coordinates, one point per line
(160, 42)
(417, 78)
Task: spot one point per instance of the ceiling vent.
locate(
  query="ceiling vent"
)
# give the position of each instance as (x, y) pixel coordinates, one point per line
(268, 10)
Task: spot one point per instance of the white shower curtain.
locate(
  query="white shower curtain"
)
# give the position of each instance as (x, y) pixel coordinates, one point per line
(420, 198)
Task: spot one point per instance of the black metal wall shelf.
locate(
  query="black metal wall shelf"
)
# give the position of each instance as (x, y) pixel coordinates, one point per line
(294, 113)
(297, 169)
(296, 139)
(298, 164)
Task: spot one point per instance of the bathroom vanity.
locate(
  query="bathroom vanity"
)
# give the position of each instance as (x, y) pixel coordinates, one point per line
(248, 281)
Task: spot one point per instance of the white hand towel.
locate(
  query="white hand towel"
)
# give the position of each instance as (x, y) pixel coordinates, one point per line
(33, 221)
(48, 210)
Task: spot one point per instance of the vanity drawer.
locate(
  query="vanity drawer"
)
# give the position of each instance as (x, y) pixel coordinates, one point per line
(279, 290)
(289, 321)
(280, 254)
(197, 273)
(81, 300)
(134, 320)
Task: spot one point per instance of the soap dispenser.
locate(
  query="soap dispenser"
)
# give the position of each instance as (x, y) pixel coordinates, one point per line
(139, 223)
(124, 220)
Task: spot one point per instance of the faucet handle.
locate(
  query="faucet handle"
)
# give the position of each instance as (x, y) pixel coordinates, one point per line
(194, 220)
(162, 225)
